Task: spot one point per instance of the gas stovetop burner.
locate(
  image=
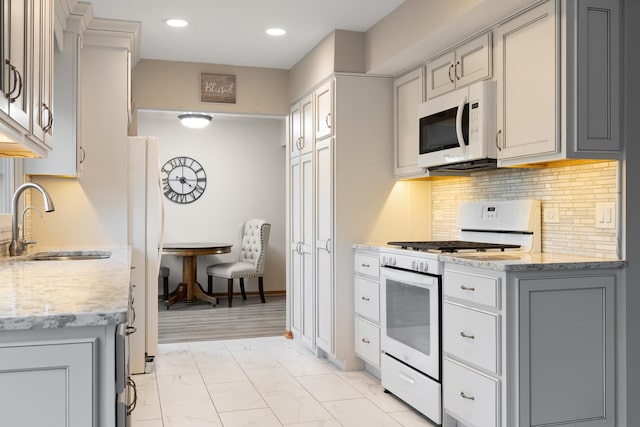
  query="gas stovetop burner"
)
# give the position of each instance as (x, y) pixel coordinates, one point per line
(451, 246)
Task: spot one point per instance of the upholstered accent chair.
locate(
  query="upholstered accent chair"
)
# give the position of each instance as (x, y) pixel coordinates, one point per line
(163, 275)
(250, 262)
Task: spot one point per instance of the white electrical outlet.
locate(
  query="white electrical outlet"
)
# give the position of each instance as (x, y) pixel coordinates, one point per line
(551, 215)
(606, 215)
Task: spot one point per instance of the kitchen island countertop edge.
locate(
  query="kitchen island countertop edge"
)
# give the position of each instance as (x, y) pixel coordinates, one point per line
(515, 261)
(70, 293)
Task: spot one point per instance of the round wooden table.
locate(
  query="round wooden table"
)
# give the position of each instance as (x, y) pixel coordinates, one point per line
(189, 289)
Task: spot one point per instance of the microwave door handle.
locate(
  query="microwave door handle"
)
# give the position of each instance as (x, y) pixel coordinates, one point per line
(461, 140)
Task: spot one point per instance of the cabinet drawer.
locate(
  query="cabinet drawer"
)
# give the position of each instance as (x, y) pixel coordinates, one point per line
(474, 288)
(413, 387)
(469, 395)
(367, 298)
(367, 341)
(471, 335)
(367, 264)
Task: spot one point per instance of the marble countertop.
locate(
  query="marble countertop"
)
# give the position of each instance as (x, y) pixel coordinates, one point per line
(531, 261)
(57, 294)
(505, 261)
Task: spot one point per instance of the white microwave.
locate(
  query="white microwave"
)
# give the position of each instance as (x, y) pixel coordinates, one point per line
(457, 130)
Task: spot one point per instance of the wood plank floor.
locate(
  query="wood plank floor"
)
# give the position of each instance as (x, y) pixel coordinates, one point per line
(201, 322)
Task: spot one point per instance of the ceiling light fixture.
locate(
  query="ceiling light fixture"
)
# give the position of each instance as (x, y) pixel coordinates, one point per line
(275, 32)
(195, 120)
(176, 23)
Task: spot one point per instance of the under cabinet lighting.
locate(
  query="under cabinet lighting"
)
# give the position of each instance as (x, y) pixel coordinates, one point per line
(195, 120)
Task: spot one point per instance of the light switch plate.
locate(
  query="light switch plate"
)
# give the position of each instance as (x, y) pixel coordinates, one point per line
(606, 215)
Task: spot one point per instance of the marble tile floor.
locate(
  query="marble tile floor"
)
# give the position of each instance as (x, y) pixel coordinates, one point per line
(260, 382)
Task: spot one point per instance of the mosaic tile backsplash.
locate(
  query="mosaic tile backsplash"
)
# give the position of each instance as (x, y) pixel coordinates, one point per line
(574, 190)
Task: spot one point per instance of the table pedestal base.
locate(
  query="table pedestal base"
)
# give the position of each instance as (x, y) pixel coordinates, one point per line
(189, 289)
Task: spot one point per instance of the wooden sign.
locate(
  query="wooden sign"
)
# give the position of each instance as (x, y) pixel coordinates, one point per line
(218, 88)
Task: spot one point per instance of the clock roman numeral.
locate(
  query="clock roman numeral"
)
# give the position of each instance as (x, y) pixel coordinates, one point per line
(197, 191)
(170, 194)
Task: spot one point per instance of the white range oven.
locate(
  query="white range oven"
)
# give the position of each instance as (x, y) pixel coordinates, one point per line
(410, 329)
(411, 294)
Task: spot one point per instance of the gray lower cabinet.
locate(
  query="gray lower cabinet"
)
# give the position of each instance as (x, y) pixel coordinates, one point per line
(529, 348)
(566, 353)
(45, 384)
(58, 377)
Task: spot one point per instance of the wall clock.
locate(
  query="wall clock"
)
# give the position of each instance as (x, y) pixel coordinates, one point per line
(183, 180)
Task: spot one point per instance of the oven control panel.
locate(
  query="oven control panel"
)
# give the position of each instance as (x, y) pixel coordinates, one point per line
(411, 261)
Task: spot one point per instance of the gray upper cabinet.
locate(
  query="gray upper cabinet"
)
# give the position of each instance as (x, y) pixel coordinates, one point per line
(558, 73)
(462, 66)
(596, 68)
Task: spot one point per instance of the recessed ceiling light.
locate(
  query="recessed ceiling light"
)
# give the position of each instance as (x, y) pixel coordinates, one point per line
(276, 32)
(174, 22)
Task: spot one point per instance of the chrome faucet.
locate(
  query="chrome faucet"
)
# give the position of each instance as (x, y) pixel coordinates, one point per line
(24, 228)
(18, 246)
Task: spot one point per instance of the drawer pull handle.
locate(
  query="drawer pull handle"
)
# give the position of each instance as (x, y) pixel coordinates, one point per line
(406, 378)
(465, 288)
(366, 341)
(471, 337)
(464, 396)
(365, 299)
(366, 265)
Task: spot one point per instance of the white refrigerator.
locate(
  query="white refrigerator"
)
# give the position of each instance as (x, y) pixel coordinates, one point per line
(145, 233)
